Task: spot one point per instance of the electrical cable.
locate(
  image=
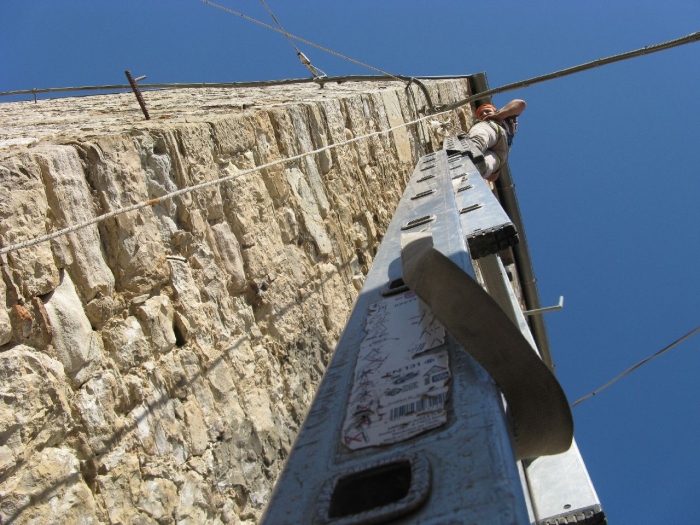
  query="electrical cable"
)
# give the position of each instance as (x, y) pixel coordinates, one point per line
(299, 39)
(286, 34)
(315, 72)
(647, 50)
(634, 367)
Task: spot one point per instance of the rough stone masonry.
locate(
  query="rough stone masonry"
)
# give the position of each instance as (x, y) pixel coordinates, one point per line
(156, 367)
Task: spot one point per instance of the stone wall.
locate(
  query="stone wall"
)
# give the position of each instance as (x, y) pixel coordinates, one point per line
(156, 367)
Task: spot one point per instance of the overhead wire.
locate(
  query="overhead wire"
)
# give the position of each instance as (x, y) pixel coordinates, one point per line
(286, 34)
(634, 367)
(647, 50)
(303, 40)
(315, 72)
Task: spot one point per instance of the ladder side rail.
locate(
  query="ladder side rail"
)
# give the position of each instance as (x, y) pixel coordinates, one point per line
(559, 487)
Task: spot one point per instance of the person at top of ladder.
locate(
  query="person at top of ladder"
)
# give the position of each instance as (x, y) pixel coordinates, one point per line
(493, 134)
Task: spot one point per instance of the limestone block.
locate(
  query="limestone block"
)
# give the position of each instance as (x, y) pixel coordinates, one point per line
(101, 309)
(95, 402)
(193, 319)
(266, 151)
(23, 209)
(285, 134)
(158, 498)
(156, 316)
(196, 428)
(319, 135)
(289, 226)
(332, 113)
(234, 135)
(395, 118)
(261, 384)
(185, 285)
(337, 299)
(77, 346)
(69, 197)
(251, 214)
(230, 257)
(119, 488)
(125, 343)
(220, 378)
(36, 410)
(354, 108)
(197, 164)
(157, 426)
(48, 489)
(193, 507)
(8, 459)
(206, 283)
(160, 416)
(236, 460)
(202, 394)
(383, 147)
(159, 159)
(5, 325)
(300, 119)
(173, 377)
(308, 205)
(133, 243)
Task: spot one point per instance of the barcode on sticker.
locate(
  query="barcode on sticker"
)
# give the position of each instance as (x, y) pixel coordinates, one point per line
(422, 405)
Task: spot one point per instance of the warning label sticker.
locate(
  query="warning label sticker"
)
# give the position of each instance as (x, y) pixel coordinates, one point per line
(401, 381)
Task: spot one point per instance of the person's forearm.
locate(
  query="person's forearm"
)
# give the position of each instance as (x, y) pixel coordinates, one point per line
(513, 108)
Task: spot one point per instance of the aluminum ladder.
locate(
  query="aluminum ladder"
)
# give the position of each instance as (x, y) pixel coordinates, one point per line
(406, 426)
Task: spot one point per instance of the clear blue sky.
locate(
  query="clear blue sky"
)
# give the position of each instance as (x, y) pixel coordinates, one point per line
(605, 163)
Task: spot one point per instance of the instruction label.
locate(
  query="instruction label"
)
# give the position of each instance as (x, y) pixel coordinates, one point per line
(401, 381)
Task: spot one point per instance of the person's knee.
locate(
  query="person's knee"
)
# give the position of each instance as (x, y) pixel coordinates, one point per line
(483, 136)
(479, 140)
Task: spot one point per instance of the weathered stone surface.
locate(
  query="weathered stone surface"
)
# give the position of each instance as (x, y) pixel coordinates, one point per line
(38, 482)
(157, 367)
(132, 241)
(23, 209)
(78, 347)
(121, 491)
(229, 255)
(50, 489)
(158, 498)
(69, 197)
(36, 410)
(156, 316)
(125, 343)
(310, 210)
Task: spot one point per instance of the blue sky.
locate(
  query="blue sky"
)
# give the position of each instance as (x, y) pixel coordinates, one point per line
(605, 164)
